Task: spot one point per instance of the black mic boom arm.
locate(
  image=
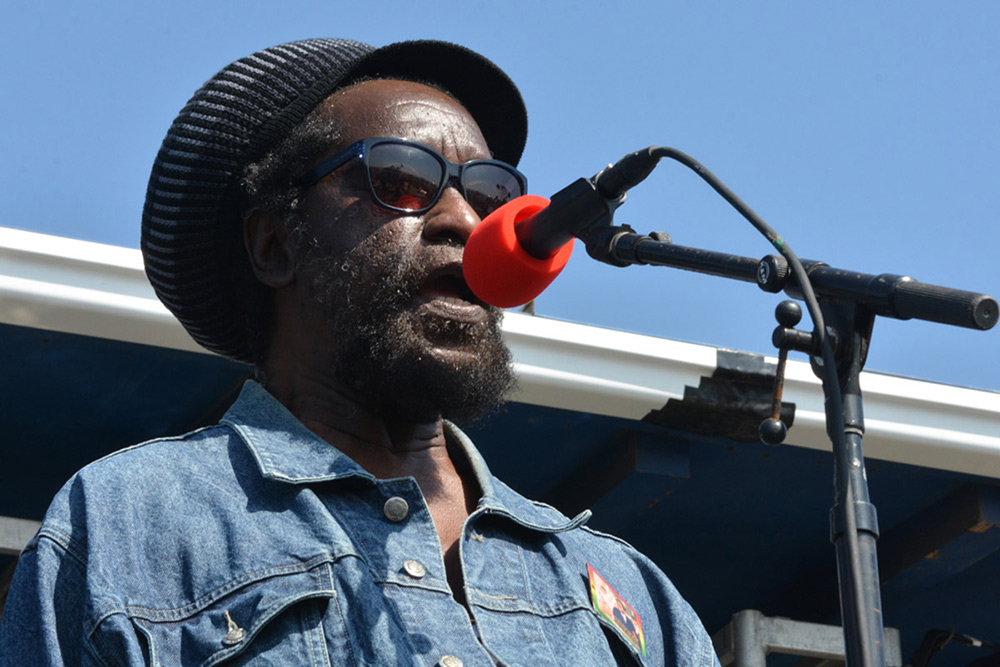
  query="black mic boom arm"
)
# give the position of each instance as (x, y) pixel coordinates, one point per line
(890, 295)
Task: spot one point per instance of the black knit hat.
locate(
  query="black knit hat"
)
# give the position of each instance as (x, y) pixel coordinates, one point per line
(191, 222)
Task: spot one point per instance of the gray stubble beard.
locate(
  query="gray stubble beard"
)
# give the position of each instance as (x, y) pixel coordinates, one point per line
(385, 352)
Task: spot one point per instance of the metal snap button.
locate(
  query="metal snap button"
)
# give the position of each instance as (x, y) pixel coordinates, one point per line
(234, 633)
(414, 569)
(396, 508)
(449, 661)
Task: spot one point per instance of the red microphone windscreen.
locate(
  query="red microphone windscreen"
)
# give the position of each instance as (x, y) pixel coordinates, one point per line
(497, 269)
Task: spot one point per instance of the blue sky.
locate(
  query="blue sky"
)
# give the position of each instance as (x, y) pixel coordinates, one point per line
(865, 133)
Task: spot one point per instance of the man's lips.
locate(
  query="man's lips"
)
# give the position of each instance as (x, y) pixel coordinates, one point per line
(447, 282)
(446, 292)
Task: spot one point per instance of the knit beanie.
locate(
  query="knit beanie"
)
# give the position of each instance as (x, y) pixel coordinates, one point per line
(191, 223)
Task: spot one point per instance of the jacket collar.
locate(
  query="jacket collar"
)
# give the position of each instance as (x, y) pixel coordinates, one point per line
(501, 500)
(286, 451)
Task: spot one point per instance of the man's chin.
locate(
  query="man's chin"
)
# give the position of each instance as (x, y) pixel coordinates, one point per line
(461, 379)
(464, 402)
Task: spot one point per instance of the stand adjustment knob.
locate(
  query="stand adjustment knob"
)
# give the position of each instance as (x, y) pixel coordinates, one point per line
(788, 313)
(773, 273)
(772, 431)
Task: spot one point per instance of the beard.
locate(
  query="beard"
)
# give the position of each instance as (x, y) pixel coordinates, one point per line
(405, 363)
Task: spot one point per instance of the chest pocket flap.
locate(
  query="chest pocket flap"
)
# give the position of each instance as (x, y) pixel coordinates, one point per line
(278, 613)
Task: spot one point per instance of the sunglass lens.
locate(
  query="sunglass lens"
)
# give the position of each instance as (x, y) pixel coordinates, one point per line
(404, 177)
(489, 186)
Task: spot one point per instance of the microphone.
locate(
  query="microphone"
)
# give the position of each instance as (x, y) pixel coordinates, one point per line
(520, 248)
(498, 268)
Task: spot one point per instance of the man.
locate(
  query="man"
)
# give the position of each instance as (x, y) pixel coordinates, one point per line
(307, 214)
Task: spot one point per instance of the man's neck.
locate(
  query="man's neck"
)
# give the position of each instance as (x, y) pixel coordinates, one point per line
(382, 445)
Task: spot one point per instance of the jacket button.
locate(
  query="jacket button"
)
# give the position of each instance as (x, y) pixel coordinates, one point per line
(234, 633)
(449, 661)
(414, 569)
(396, 509)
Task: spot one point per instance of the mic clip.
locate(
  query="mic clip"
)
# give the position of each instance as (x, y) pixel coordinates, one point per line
(587, 204)
(602, 243)
(574, 211)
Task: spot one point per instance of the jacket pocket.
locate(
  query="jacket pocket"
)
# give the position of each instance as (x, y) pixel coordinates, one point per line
(278, 616)
(626, 647)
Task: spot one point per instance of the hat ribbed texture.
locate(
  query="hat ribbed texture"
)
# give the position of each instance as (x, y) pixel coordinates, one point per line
(191, 214)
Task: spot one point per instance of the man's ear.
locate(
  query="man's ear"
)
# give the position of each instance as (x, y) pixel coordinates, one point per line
(268, 249)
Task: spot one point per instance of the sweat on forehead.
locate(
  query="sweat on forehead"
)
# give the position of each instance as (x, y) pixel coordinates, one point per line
(404, 109)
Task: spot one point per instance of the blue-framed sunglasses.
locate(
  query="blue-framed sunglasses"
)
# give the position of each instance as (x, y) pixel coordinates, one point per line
(409, 177)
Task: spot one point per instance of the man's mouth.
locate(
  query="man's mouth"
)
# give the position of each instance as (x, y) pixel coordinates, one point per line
(448, 284)
(446, 293)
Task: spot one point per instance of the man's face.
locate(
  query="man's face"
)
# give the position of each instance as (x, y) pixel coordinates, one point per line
(384, 290)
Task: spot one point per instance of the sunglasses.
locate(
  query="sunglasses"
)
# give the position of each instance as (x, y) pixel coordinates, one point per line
(409, 177)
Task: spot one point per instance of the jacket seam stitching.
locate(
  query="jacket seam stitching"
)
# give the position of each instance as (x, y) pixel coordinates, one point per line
(184, 611)
(64, 541)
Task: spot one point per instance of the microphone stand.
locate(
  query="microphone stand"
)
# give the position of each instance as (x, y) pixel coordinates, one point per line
(848, 303)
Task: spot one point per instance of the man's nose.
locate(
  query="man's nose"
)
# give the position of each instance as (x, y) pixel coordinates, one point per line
(451, 220)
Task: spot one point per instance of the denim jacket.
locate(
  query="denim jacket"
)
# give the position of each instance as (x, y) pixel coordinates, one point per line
(254, 542)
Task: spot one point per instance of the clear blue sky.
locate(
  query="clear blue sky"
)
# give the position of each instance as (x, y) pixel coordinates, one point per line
(867, 134)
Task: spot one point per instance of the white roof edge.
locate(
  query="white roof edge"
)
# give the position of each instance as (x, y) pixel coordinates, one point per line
(72, 286)
(98, 290)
